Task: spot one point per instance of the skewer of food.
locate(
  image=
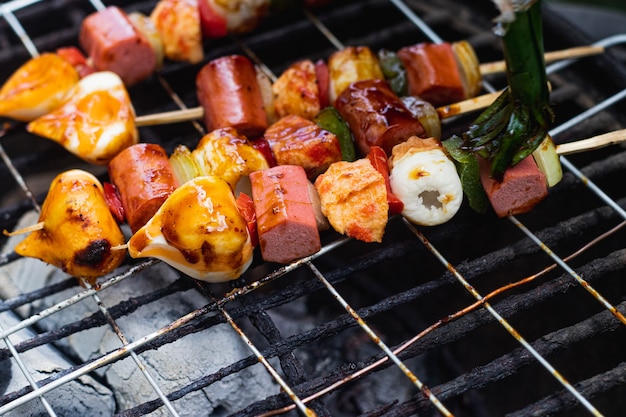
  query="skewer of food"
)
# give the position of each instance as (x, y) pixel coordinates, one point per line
(354, 198)
(414, 176)
(134, 46)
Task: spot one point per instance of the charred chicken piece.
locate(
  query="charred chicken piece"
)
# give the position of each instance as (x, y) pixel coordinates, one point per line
(298, 141)
(296, 91)
(79, 234)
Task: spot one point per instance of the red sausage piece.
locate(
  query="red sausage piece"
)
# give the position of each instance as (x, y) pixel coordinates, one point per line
(377, 116)
(144, 177)
(113, 44)
(286, 222)
(521, 189)
(231, 97)
(433, 73)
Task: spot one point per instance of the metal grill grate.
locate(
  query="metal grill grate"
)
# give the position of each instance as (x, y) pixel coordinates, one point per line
(437, 295)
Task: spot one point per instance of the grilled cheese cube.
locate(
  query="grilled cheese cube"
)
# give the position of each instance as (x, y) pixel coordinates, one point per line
(96, 123)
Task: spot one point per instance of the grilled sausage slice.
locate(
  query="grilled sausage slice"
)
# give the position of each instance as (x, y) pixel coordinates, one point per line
(377, 116)
(522, 187)
(286, 221)
(114, 44)
(231, 97)
(433, 73)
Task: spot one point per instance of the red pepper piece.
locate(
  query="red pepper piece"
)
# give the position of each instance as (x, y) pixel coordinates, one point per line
(77, 59)
(321, 72)
(378, 159)
(245, 204)
(263, 146)
(212, 23)
(114, 201)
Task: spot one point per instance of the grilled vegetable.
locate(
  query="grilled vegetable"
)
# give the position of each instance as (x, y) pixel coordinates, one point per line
(198, 230)
(518, 121)
(513, 127)
(394, 71)
(78, 234)
(330, 119)
(37, 87)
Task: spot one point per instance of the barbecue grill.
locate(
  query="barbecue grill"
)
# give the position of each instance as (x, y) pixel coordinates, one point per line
(481, 316)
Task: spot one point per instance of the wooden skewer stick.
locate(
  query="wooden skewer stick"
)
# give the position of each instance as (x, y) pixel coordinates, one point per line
(592, 143)
(27, 229)
(174, 116)
(576, 52)
(186, 115)
(466, 106)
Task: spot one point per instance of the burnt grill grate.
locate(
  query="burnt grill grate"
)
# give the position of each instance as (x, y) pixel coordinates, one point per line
(406, 291)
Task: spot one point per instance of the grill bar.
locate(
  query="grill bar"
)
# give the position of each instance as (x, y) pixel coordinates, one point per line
(131, 348)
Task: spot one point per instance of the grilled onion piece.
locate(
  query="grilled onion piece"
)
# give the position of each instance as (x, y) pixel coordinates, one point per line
(199, 231)
(79, 233)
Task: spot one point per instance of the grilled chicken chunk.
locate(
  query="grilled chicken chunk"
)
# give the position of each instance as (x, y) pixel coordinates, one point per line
(354, 199)
(298, 141)
(95, 123)
(79, 232)
(199, 231)
(178, 23)
(296, 91)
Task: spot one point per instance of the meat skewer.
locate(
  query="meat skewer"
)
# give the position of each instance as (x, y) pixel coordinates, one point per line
(117, 245)
(244, 263)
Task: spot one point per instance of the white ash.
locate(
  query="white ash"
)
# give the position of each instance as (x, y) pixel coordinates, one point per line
(95, 398)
